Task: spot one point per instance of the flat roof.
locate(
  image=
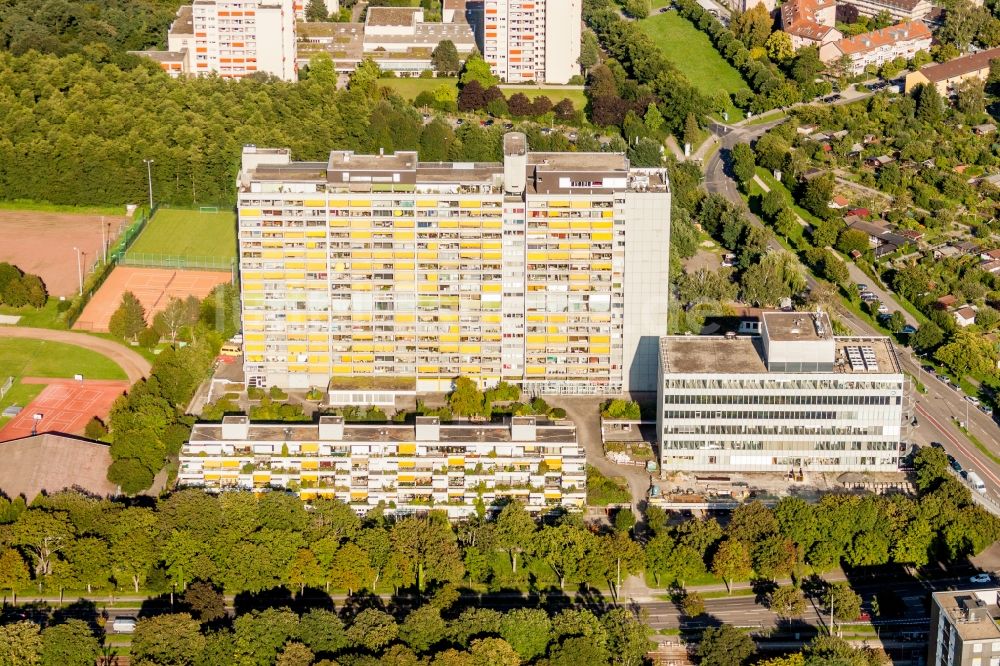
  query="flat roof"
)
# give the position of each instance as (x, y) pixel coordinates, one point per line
(52, 462)
(797, 326)
(713, 355)
(392, 16)
(981, 623)
(553, 433)
(184, 22)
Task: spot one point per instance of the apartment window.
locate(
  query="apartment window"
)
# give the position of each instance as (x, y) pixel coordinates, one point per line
(977, 647)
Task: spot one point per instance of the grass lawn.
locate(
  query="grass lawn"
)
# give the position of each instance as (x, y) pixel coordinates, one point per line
(411, 87)
(693, 54)
(556, 94)
(38, 358)
(45, 317)
(189, 233)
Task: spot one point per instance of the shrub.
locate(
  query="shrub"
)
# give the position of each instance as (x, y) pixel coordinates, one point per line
(95, 429)
(277, 394)
(148, 337)
(255, 393)
(558, 413)
(621, 409)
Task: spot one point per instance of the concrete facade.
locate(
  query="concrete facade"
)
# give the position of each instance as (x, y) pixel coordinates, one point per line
(964, 629)
(796, 398)
(528, 41)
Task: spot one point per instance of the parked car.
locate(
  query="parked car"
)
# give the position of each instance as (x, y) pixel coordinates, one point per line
(981, 578)
(883, 309)
(973, 400)
(954, 464)
(985, 409)
(862, 288)
(908, 330)
(123, 625)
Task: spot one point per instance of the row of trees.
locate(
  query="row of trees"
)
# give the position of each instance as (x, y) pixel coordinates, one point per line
(148, 424)
(438, 633)
(247, 543)
(18, 288)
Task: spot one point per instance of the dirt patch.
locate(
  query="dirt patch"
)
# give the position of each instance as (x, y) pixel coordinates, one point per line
(154, 287)
(42, 243)
(710, 261)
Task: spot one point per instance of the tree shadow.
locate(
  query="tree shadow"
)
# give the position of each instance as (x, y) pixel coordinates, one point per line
(762, 589)
(82, 609)
(359, 601)
(159, 604)
(312, 598)
(276, 597)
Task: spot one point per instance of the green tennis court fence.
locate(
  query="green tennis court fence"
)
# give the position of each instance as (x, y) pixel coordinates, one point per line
(154, 260)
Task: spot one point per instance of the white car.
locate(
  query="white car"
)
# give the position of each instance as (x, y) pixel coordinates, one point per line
(981, 578)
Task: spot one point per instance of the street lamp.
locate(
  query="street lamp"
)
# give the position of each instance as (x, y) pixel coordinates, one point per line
(79, 269)
(149, 175)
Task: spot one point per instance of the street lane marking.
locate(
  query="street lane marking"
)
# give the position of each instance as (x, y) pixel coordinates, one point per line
(951, 438)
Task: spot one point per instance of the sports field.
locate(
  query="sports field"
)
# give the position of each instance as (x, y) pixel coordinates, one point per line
(38, 361)
(154, 287)
(188, 233)
(42, 243)
(691, 51)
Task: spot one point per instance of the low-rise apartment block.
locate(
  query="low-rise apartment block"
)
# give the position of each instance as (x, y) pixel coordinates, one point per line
(878, 47)
(795, 398)
(810, 22)
(407, 468)
(397, 38)
(548, 270)
(899, 10)
(965, 628)
(231, 38)
(947, 76)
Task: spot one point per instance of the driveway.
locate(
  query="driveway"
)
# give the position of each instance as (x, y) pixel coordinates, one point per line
(585, 412)
(134, 365)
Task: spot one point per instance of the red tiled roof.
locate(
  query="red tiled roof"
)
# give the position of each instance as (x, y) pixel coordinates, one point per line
(901, 32)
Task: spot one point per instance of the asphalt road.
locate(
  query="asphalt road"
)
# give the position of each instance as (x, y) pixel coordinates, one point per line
(935, 410)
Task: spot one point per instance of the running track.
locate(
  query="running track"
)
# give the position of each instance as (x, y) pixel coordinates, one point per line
(134, 365)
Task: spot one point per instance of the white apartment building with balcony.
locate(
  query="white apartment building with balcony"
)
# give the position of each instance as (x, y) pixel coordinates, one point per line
(231, 38)
(407, 468)
(549, 270)
(795, 398)
(532, 41)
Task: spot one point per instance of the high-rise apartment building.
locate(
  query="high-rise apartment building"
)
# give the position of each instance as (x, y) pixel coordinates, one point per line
(965, 628)
(795, 398)
(548, 270)
(407, 468)
(529, 41)
(231, 38)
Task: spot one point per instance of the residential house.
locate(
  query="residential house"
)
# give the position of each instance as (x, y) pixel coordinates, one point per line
(946, 302)
(946, 76)
(990, 266)
(990, 255)
(965, 315)
(984, 129)
(878, 161)
(810, 22)
(839, 201)
(878, 47)
(946, 252)
(882, 240)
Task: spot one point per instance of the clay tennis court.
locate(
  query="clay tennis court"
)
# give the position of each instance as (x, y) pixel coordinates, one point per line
(66, 405)
(42, 243)
(154, 287)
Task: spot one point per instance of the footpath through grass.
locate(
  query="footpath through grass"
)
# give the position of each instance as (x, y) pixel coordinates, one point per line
(691, 51)
(189, 233)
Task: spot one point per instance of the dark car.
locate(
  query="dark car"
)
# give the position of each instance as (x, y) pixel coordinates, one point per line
(954, 464)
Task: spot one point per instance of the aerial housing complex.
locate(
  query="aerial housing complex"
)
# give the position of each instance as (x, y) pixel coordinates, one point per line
(548, 270)
(795, 398)
(965, 628)
(532, 41)
(407, 468)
